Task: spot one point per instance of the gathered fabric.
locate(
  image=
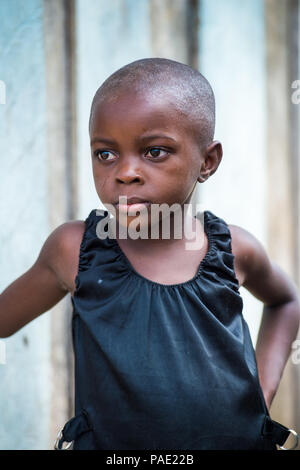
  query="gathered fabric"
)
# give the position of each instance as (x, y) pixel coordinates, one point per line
(163, 366)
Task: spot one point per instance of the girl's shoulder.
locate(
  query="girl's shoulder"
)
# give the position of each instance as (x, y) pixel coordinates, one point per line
(259, 273)
(248, 251)
(61, 251)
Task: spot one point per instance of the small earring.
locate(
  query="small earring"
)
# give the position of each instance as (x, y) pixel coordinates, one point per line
(201, 179)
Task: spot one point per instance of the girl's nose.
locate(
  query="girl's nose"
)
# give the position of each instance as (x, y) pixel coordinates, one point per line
(129, 173)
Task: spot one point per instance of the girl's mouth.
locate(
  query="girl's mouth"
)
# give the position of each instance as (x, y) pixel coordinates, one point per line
(131, 208)
(132, 204)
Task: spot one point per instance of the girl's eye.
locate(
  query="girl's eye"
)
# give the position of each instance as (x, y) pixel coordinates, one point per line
(155, 152)
(105, 155)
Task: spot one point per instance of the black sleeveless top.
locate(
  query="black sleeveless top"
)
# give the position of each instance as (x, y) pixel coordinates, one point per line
(163, 366)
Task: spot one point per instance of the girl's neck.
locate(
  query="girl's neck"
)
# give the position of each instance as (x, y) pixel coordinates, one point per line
(166, 233)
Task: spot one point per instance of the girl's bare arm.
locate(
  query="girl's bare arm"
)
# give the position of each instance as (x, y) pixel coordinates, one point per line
(281, 310)
(45, 283)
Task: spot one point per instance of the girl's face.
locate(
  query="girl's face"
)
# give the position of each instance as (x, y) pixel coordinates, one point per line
(143, 148)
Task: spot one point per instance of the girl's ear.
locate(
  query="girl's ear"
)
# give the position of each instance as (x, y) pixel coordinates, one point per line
(212, 158)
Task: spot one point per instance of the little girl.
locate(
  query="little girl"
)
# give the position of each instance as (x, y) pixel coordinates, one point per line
(163, 355)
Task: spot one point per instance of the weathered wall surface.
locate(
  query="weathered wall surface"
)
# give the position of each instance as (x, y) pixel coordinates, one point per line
(53, 56)
(232, 57)
(25, 378)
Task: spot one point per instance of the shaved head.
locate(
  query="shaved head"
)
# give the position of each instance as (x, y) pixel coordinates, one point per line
(189, 91)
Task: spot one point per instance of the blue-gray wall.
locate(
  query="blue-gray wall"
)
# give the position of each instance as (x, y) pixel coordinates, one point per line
(25, 378)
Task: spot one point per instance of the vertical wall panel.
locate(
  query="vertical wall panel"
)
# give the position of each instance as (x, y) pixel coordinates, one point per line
(24, 379)
(58, 18)
(170, 33)
(283, 162)
(297, 136)
(231, 56)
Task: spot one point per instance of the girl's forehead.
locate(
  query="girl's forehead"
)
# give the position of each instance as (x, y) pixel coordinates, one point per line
(132, 98)
(131, 107)
(133, 114)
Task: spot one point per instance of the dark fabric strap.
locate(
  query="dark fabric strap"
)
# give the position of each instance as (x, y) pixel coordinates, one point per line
(274, 431)
(74, 428)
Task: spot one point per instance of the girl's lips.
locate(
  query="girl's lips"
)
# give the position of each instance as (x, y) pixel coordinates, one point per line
(132, 208)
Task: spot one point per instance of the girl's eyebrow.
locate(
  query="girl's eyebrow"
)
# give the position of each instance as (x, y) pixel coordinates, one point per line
(142, 138)
(156, 136)
(102, 139)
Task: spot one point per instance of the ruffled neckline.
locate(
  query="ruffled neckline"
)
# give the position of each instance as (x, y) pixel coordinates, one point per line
(217, 264)
(210, 251)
